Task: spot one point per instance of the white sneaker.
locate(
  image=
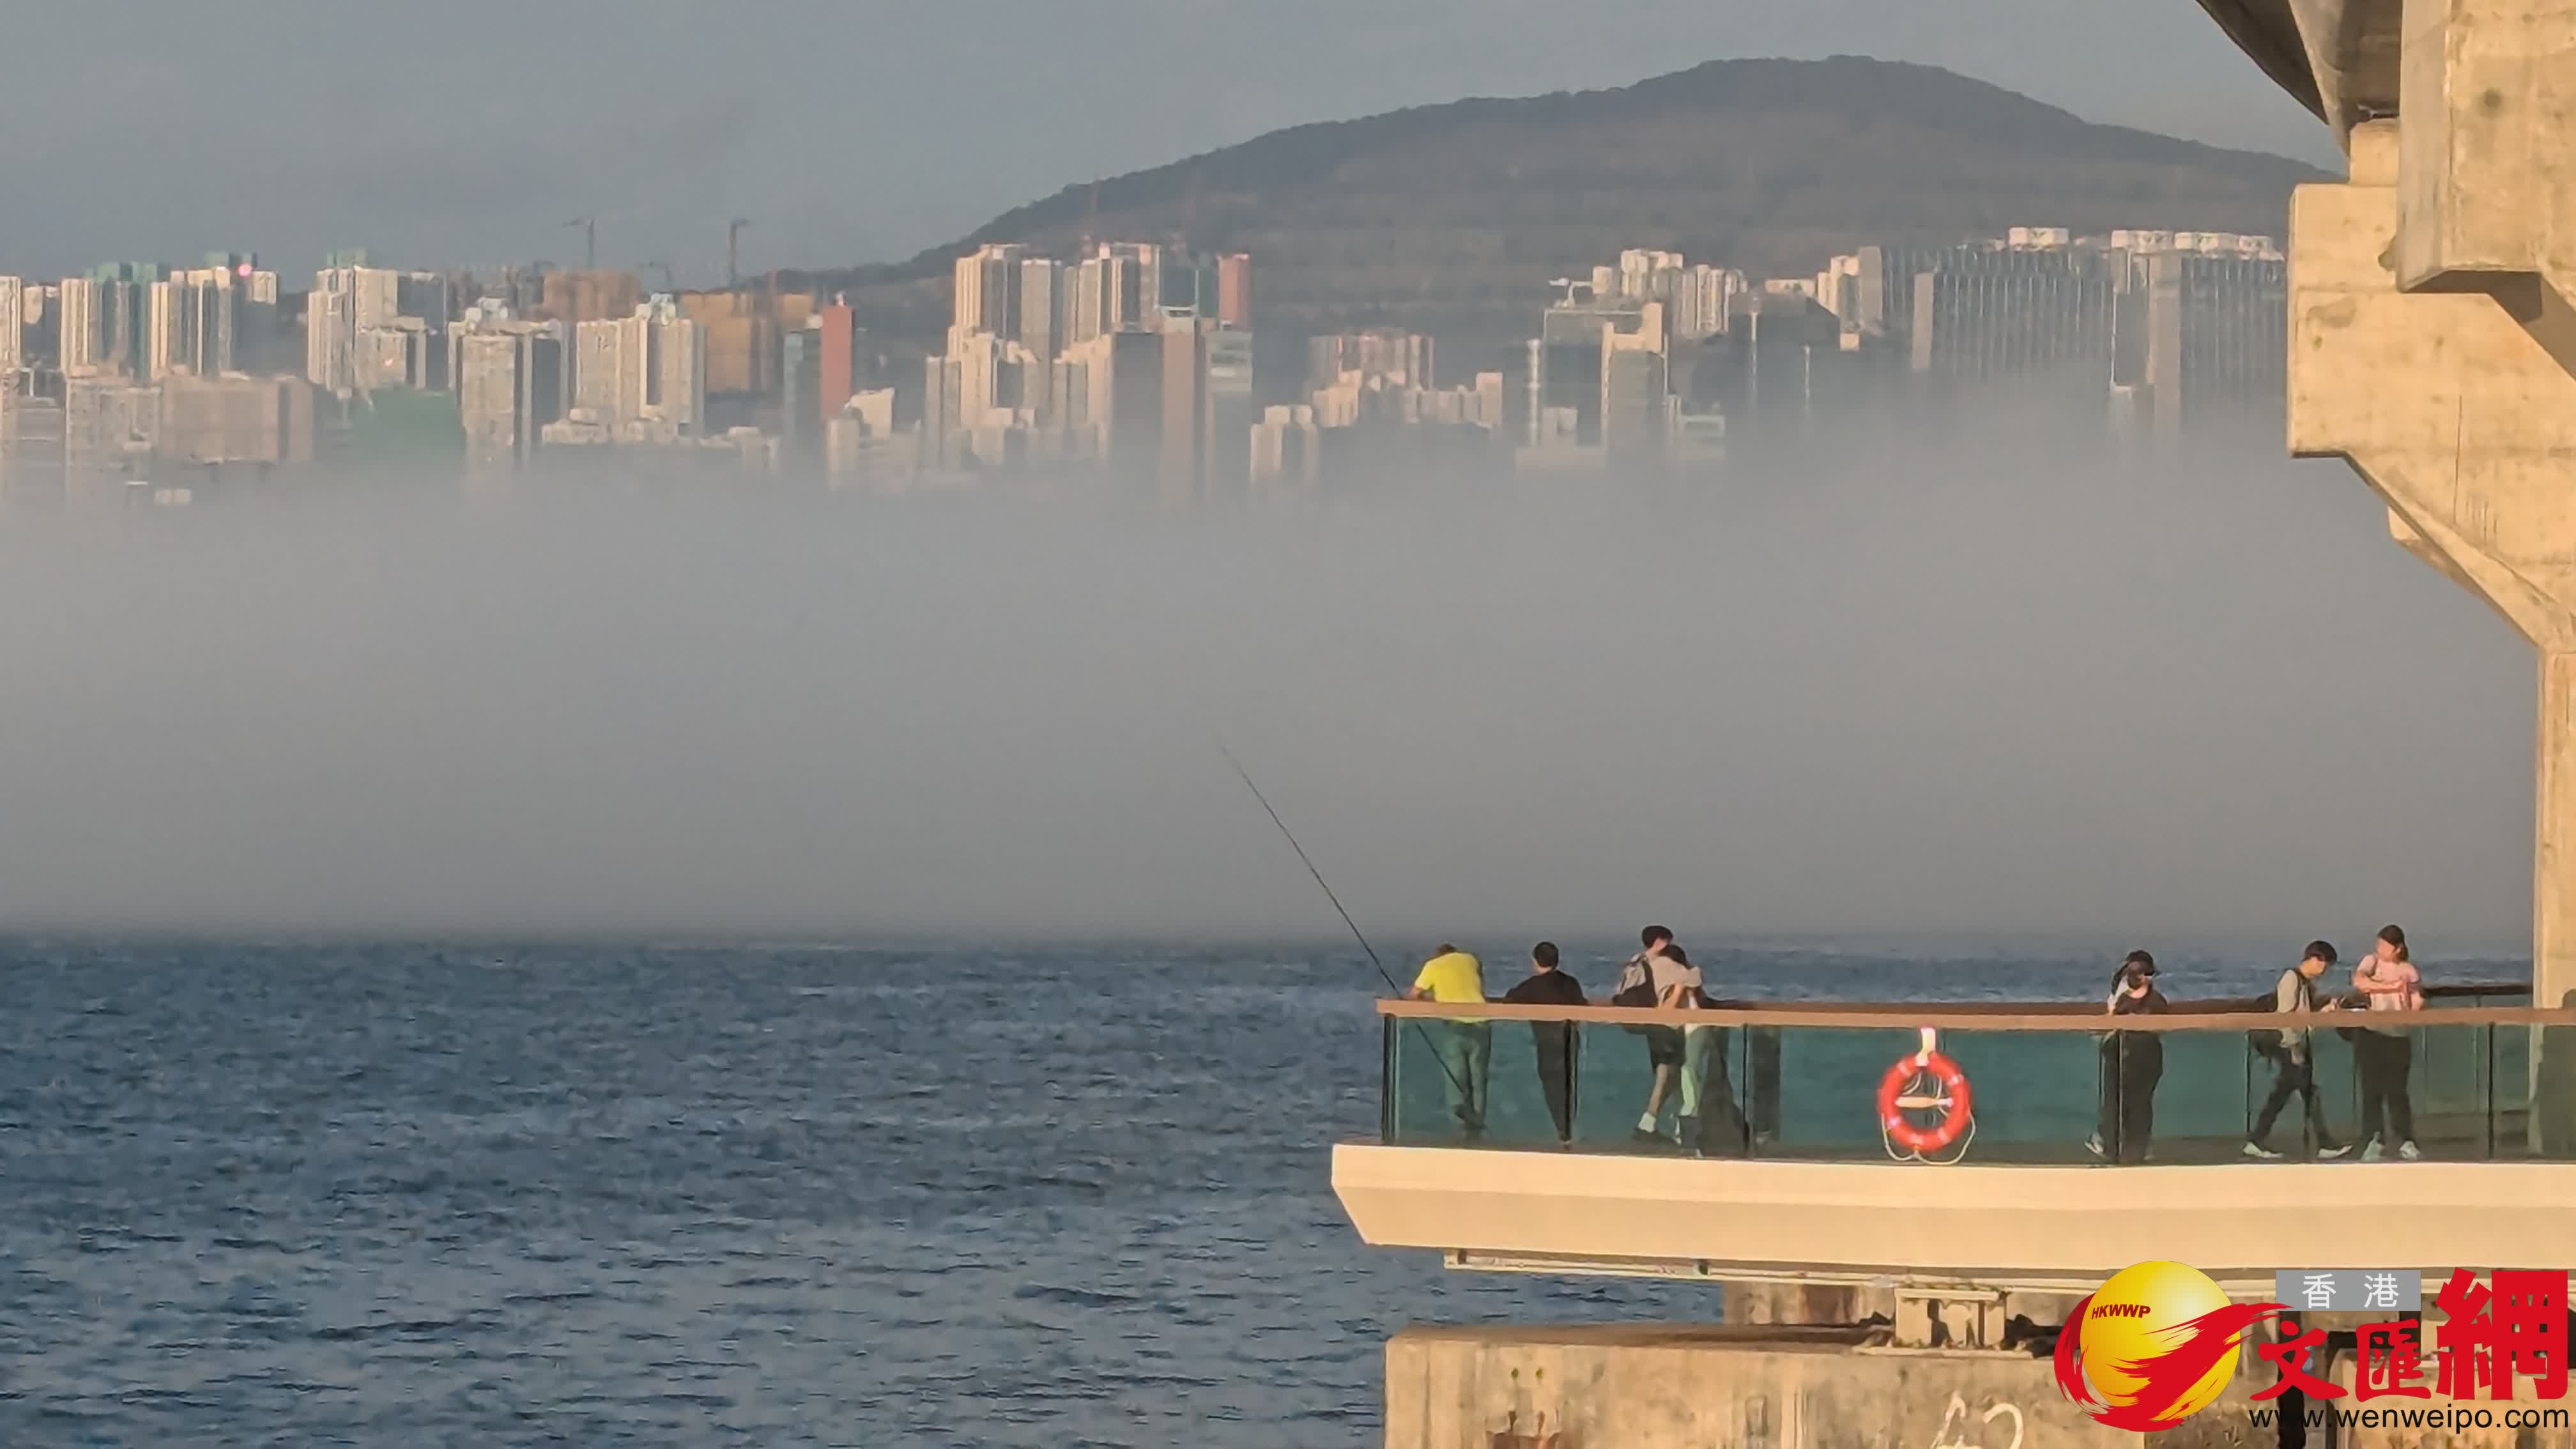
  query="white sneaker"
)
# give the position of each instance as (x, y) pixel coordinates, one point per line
(2329, 1154)
(2409, 1151)
(2371, 1153)
(2093, 1144)
(2257, 1149)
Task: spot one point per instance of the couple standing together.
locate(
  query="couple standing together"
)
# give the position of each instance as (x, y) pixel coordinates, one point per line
(2383, 1049)
(1661, 975)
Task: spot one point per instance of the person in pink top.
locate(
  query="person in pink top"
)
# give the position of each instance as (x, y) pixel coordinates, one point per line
(2384, 1052)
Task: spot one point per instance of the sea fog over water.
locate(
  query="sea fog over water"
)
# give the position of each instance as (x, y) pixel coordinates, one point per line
(1934, 689)
(1006, 1189)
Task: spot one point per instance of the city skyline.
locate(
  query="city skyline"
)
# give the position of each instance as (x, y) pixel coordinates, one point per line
(661, 160)
(1135, 362)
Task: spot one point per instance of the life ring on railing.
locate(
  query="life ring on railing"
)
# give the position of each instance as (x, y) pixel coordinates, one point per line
(1902, 1091)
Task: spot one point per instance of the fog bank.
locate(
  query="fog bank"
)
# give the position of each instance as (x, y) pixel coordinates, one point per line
(1935, 695)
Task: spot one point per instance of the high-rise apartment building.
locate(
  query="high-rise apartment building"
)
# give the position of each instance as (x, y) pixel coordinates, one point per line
(1287, 452)
(2201, 340)
(77, 346)
(13, 320)
(1404, 359)
(1189, 419)
(741, 333)
(508, 383)
(331, 330)
(209, 421)
(839, 366)
(1234, 290)
(643, 377)
(988, 290)
(572, 297)
(161, 337)
(110, 423)
(1042, 307)
(1637, 409)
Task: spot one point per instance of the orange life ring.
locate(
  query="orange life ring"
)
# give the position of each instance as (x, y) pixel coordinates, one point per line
(1952, 1102)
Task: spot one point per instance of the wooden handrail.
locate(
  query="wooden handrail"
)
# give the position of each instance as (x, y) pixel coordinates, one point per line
(1971, 1016)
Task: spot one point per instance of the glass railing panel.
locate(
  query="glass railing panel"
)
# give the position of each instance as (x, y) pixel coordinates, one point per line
(2199, 1110)
(2338, 1078)
(1458, 1083)
(2464, 1092)
(1617, 1105)
(2549, 1066)
(2509, 1060)
(2427, 1084)
(1826, 1105)
(2035, 1094)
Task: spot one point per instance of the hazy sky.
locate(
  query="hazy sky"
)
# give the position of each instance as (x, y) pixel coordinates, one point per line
(1943, 695)
(467, 131)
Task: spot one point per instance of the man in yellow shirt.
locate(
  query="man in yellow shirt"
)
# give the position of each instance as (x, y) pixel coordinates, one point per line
(1465, 1048)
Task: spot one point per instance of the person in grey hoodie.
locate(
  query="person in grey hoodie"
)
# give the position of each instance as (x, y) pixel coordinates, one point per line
(2292, 1054)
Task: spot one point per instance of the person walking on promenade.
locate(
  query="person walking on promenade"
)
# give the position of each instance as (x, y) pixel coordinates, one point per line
(2290, 1049)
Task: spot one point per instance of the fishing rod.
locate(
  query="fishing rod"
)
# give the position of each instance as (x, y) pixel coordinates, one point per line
(1308, 861)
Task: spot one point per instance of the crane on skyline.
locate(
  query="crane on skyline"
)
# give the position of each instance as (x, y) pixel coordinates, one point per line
(589, 240)
(733, 235)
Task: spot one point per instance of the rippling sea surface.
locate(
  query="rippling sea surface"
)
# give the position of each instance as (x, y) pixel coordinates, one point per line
(478, 1194)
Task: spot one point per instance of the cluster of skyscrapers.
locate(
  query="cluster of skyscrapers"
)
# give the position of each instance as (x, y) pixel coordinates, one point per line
(1134, 361)
(1133, 357)
(2145, 338)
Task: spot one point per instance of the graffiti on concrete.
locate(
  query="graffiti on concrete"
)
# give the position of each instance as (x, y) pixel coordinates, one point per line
(1957, 1425)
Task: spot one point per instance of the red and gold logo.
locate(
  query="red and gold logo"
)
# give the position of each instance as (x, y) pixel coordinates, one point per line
(2154, 1346)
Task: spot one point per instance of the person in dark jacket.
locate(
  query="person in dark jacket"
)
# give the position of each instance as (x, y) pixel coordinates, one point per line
(1548, 984)
(2132, 1063)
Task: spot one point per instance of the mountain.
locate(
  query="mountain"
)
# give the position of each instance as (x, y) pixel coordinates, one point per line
(1452, 218)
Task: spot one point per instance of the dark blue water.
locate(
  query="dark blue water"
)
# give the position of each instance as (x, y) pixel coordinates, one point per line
(408, 1194)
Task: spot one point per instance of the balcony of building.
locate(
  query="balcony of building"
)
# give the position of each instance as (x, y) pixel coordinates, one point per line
(2076, 1152)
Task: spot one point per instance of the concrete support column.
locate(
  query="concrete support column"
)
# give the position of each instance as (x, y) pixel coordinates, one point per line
(2446, 399)
(2553, 925)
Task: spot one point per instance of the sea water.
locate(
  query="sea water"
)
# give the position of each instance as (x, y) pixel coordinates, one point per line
(469, 1193)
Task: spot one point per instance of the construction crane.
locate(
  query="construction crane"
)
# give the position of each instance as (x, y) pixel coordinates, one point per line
(589, 240)
(1569, 284)
(733, 235)
(667, 284)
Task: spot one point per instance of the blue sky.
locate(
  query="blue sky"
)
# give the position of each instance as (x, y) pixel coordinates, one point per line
(468, 131)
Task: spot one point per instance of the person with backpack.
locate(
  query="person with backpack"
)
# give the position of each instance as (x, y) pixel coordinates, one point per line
(1639, 987)
(2290, 1050)
(2133, 1062)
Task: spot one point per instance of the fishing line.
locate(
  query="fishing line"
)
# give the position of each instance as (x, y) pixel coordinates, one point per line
(1308, 861)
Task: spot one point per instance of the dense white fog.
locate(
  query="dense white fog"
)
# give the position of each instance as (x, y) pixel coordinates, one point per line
(1938, 695)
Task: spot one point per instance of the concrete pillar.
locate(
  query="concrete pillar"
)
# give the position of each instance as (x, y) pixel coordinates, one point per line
(2419, 353)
